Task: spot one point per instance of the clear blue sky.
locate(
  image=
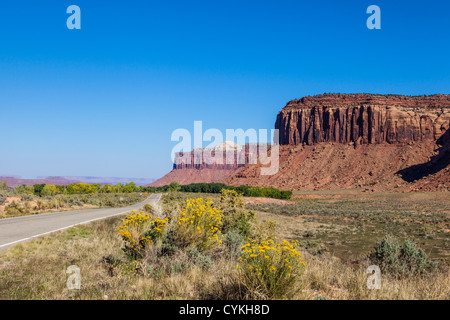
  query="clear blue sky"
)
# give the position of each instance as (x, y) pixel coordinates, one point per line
(104, 100)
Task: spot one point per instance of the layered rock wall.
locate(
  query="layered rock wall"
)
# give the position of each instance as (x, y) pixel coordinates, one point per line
(223, 159)
(363, 119)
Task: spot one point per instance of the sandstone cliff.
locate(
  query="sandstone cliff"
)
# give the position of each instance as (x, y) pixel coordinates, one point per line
(227, 156)
(363, 119)
(207, 165)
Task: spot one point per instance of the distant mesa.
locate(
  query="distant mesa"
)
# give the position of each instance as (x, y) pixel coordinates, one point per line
(343, 141)
(112, 180)
(13, 181)
(227, 155)
(363, 118)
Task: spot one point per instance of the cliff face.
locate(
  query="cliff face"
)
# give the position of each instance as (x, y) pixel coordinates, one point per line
(363, 119)
(208, 165)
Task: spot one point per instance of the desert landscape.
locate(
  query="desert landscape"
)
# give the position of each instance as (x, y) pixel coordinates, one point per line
(363, 180)
(213, 159)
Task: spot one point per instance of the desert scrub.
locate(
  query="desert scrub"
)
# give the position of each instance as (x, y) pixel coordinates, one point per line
(16, 209)
(2, 198)
(268, 270)
(263, 230)
(27, 197)
(140, 229)
(233, 242)
(148, 208)
(235, 215)
(198, 225)
(401, 260)
(101, 199)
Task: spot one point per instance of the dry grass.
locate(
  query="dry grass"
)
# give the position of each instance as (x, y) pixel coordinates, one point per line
(31, 204)
(329, 277)
(37, 270)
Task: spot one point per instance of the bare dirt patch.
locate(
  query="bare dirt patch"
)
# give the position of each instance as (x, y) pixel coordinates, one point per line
(8, 201)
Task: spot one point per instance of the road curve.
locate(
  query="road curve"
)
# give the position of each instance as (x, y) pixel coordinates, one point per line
(19, 229)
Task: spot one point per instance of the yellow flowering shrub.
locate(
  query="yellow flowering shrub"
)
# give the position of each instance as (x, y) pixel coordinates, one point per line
(198, 225)
(269, 269)
(139, 229)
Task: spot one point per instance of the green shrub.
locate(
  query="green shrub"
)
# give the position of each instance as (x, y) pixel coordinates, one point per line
(13, 205)
(199, 259)
(234, 241)
(173, 186)
(401, 260)
(235, 215)
(23, 189)
(168, 198)
(164, 258)
(40, 205)
(13, 212)
(246, 191)
(159, 265)
(263, 230)
(3, 185)
(37, 189)
(15, 209)
(168, 246)
(148, 208)
(313, 247)
(26, 197)
(2, 198)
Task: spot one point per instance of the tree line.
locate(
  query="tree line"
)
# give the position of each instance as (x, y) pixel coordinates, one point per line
(246, 191)
(48, 190)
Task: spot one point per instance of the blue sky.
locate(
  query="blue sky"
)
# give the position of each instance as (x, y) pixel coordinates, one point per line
(104, 100)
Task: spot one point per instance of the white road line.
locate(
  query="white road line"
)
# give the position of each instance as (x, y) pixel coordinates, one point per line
(60, 229)
(64, 228)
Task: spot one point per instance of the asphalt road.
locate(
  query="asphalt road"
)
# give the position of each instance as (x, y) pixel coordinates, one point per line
(15, 230)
